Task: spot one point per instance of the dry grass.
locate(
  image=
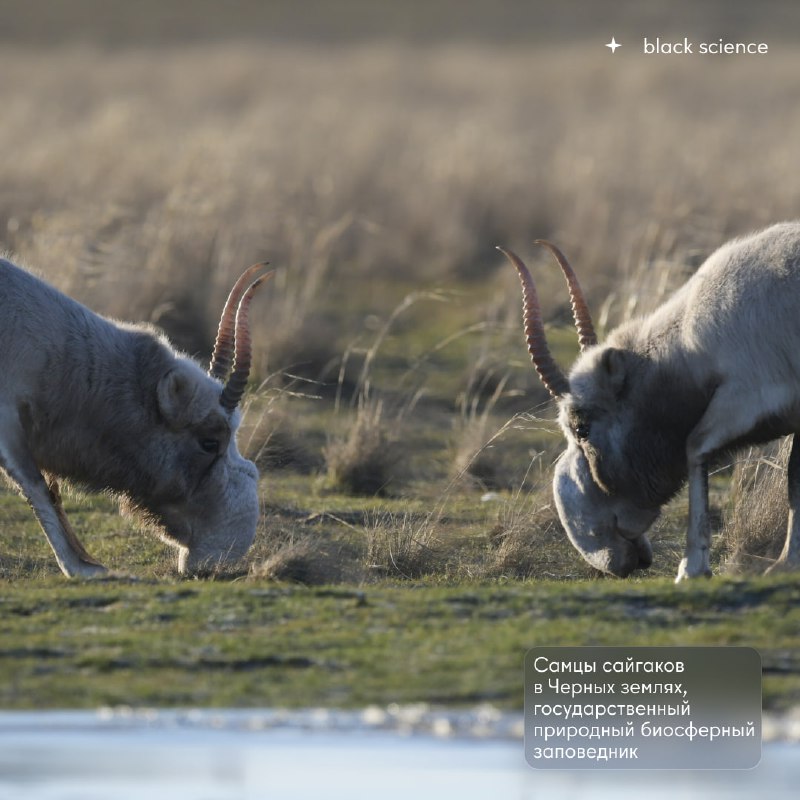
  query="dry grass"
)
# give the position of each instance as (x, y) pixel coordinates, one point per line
(270, 436)
(143, 182)
(755, 526)
(523, 541)
(402, 547)
(367, 457)
(527, 539)
(479, 455)
(295, 562)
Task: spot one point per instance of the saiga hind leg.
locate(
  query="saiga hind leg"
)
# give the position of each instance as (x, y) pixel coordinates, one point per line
(790, 555)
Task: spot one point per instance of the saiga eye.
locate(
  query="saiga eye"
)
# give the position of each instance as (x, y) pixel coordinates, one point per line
(581, 431)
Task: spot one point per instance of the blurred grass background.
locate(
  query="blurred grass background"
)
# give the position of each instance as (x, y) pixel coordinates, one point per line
(376, 153)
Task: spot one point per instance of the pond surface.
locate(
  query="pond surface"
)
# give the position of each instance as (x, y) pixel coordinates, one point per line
(390, 754)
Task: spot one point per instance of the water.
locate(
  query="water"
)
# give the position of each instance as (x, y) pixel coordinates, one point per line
(392, 755)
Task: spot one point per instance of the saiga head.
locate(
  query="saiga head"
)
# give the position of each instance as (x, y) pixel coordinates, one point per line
(207, 501)
(602, 502)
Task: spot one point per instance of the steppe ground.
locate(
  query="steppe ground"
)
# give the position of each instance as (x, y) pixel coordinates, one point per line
(403, 439)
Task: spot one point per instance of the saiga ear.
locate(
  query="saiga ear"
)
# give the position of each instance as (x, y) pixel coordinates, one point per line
(175, 392)
(615, 366)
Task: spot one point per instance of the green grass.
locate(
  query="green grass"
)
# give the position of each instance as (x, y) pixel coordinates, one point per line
(260, 644)
(452, 633)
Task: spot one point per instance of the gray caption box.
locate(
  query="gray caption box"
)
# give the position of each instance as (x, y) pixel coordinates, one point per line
(643, 707)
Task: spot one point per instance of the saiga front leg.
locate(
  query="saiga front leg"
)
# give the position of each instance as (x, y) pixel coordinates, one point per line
(18, 463)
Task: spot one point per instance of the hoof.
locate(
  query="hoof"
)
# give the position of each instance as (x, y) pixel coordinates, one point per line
(685, 573)
(781, 565)
(88, 569)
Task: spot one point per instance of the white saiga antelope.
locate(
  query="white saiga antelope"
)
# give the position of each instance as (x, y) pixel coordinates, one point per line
(112, 407)
(715, 368)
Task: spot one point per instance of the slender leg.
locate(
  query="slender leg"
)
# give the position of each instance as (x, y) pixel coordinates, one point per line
(698, 536)
(74, 542)
(17, 461)
(790, 555)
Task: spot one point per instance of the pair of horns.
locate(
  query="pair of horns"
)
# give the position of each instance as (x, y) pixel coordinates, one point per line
(554, 380)
(232, 350)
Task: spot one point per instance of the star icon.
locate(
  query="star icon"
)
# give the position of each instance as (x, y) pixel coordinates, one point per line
(613, 45)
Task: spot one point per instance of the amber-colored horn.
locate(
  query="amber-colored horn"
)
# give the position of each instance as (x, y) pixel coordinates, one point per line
(225, 344)
(551, 375)
(234, 388)
(580, 310)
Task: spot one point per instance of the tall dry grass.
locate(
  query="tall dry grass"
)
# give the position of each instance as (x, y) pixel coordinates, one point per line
(141, 181)
(758, 514)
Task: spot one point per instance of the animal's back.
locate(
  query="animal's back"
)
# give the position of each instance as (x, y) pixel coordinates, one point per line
(744, 299)
(50, 344)
(31, 310)
(30, 327)
(744, 290)
(764, 264)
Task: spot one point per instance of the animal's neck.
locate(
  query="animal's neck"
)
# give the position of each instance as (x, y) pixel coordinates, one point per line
(672, 405)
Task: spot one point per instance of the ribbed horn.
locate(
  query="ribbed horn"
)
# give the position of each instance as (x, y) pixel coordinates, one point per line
(234, 388)
(225, 343)
(551, 375)
(580, 310)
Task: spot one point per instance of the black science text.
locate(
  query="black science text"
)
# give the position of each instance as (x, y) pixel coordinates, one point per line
(718, 47)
